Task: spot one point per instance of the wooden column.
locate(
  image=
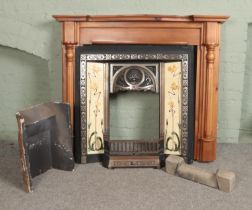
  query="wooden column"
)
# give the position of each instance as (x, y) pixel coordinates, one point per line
(208, 142)
(68, 66)
(68, 77)
(207, 150)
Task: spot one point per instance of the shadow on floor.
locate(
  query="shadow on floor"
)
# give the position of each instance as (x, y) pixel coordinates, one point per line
(9, 164)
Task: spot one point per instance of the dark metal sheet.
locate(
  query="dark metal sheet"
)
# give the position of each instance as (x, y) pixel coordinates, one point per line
(37, 141)
(45, 140)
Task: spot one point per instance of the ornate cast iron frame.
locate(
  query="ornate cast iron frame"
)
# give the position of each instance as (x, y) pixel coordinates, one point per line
(162, 57)
(122, 76)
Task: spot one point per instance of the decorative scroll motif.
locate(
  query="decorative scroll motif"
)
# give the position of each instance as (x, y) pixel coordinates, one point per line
(83, 107)
(95, 110)
(172, 108)
(134, 77)
(118, 57)
(184, 106)
(86, 58)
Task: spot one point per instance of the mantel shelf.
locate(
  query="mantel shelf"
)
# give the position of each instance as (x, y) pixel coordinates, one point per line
(144, 18)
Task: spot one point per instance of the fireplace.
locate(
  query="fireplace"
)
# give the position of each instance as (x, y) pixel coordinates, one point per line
(87, 40)
(105, 70)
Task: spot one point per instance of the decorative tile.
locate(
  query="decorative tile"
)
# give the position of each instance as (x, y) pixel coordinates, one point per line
(95, 107)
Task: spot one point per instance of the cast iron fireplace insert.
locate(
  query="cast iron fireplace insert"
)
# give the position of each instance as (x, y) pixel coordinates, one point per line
(134, 77)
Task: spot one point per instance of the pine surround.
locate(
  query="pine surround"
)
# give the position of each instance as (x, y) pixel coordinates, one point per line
(198, 30)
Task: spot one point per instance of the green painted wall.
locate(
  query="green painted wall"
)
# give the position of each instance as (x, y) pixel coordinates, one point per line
(24, 81)
(246, 118)
(28, 26)
(134, 115)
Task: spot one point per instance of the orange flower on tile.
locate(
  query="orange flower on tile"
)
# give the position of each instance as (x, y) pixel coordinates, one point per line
(174, 86)
(172, 68)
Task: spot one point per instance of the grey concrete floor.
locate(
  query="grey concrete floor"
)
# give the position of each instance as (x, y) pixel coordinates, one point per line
(94, 187)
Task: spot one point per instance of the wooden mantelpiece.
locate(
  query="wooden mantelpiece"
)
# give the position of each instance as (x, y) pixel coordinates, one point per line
(199, 30)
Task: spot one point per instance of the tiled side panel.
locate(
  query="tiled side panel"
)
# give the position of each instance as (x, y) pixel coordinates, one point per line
(95, 107)
(172, 108)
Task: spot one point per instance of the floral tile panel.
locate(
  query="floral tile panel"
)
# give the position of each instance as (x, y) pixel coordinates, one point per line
(172, 108)
(95, 107)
